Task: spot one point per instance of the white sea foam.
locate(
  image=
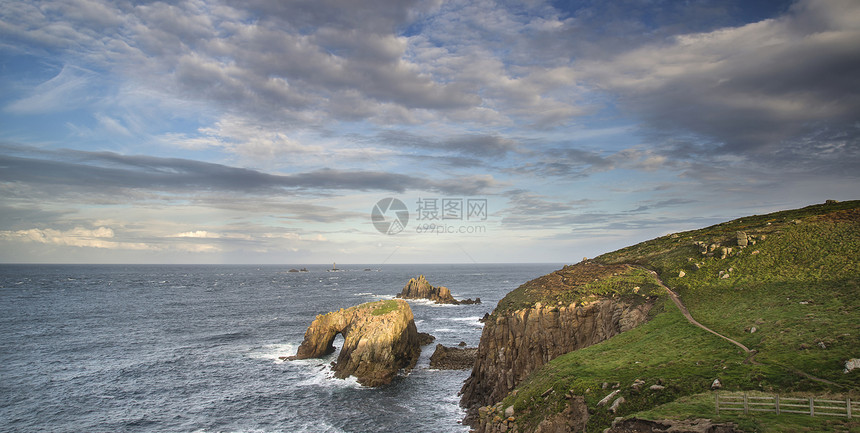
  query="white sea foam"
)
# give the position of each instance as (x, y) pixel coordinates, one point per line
(274, 352)
(363, 294)
(323, 376)
(461, 319)
(421, 302)
(435, 305)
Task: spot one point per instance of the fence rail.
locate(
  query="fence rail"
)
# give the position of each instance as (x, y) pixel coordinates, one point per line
(775, 404)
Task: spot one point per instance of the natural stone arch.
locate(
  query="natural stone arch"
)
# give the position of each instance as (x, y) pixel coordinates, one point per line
(380, 338)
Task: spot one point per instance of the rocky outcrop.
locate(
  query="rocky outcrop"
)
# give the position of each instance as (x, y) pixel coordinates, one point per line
(635, 425)
(573, 418)
(515, 343)
(380, 338)
(453, 358)
(420, 288)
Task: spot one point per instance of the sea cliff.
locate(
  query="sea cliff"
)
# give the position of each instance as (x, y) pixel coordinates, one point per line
(516, 341)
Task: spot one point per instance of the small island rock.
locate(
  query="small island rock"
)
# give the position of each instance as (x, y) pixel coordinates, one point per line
(420, 288)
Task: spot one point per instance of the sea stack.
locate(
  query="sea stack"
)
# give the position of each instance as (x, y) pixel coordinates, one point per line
(420, 288)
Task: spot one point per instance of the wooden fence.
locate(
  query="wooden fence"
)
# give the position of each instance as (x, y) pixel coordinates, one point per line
(747, 403)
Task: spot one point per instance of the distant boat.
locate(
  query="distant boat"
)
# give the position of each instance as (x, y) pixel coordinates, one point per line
(334, 268)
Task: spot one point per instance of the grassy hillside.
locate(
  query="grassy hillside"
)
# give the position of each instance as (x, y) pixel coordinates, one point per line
(796, 283)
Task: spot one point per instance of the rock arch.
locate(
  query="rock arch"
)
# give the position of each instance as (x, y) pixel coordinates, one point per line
(380, 338)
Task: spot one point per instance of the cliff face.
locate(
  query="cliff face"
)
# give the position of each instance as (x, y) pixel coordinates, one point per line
(380, 338)
(420, 288)
(514, 344)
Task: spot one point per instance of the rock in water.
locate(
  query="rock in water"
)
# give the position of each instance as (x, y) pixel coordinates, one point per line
(453, 358)
(420, 288)
(380, 338)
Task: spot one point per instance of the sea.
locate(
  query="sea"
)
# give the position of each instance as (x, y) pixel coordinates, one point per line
(198, 348)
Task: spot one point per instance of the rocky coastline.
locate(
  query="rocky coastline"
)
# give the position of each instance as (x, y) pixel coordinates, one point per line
(515, 342)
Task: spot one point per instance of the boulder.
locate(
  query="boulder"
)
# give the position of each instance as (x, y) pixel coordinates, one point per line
(743, 239)
(616, 404)
(380, 339)
(425, 338)
(420, 288)
(851, 364)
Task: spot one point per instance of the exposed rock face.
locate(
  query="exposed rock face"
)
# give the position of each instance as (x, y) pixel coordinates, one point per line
(420, 288)
(572, 419)
(635, 425)
(380, 338)
(514, 344)
(493, 419)
(453, 358)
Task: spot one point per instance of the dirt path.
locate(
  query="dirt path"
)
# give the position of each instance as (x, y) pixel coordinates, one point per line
(752, 353)
(690, 319)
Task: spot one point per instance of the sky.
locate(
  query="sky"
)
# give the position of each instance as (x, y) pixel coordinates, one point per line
(401, 131)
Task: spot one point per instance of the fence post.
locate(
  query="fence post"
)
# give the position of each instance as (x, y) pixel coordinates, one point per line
(746, 408)
(811, 407)
(776, 403)
(848, 406)
(717, 401)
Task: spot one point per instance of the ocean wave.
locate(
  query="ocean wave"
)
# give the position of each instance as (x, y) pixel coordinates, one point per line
(323, 376)
(319, 426)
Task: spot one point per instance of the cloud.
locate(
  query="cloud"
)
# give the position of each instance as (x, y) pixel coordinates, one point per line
(749, 89)
(570, 163)
(101, 237)
(69, 89)
(528, 210)
(481, 145)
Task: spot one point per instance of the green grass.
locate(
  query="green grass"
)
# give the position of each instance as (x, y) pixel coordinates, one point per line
(383, 307)
(799, 287)
(668, 350)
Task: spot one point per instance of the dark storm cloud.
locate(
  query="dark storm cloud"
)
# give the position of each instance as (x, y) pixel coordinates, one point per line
(475, 145)
(751, 89)
(106, 170)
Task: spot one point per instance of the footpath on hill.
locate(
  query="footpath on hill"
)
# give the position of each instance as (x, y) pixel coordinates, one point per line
(752, 353)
